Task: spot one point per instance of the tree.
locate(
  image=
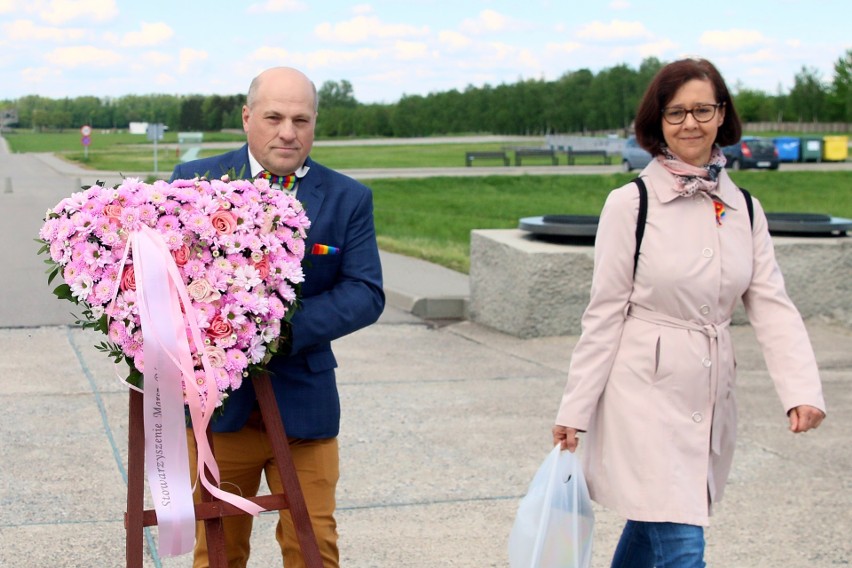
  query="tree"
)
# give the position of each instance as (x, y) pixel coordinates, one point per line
(840, 92)
(808, 96)
(333, 94)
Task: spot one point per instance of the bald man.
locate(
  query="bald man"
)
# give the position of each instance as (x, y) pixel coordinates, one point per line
(342, 293)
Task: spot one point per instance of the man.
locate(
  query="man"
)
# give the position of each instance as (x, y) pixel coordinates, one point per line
(342, 293)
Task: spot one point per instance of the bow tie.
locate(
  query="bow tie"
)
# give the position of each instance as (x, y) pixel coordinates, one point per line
(287, 182)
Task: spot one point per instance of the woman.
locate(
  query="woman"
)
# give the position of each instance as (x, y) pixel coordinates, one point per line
(652, 377)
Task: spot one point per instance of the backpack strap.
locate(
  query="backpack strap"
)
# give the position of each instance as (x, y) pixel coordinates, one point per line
(749, 206)
(643, 216)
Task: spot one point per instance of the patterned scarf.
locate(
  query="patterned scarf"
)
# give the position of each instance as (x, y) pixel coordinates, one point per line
(689, 178)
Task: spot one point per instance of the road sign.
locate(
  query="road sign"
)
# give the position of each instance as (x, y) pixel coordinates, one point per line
(86, 140)
(86, 131)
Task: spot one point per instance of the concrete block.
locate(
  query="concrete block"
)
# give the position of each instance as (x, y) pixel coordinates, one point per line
(530, 288)
(527, 287)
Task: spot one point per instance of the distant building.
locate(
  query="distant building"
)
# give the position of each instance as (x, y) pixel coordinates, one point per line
(138, 127)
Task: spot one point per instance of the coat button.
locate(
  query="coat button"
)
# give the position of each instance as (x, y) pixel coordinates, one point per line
(696, 417)
(704, 309)
(707, 252)
(706, 362)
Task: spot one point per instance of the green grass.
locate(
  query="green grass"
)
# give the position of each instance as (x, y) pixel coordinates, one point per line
(431, 218)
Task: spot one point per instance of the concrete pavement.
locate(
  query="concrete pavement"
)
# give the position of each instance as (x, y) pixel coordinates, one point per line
(444, 424)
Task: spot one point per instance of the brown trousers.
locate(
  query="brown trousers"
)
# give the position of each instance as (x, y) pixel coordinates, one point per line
(242, 457)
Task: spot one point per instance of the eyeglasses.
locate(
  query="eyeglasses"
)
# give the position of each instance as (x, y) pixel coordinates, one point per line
(701, 113)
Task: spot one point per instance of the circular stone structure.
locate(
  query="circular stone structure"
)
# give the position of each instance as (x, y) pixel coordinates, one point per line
(580, 228)
(808, 224)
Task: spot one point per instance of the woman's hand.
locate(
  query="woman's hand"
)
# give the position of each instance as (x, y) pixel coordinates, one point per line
(566, 437)
(802, 418)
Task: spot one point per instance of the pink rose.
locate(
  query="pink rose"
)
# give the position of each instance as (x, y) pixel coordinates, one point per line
(202, 291)
(128, 278)
(216, 356)
(262, 267)
(181, 255)
(113, 211)
(220, 328)
(224, 222)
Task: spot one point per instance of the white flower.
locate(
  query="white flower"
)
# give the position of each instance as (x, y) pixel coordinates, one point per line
(247, 277)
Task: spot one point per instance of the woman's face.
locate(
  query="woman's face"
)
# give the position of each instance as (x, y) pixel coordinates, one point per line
(691, 140)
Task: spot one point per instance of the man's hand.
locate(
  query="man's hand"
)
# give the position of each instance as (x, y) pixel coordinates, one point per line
(566, 437)
(804, 418)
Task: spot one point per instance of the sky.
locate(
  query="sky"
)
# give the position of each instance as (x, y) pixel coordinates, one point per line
(390, 48)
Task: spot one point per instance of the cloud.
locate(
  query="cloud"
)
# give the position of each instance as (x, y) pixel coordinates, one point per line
(616, 30)
(82, 55)
(62, 11)
(7, 6)
(657, 48)
(731, 40)
(155, 59)
(408, 50)
(454, 40)
(563, 47)
(619, 5)
(320, 59)
(277, 6)
(362, 28)
(189, 57)
(34, 75)
(150, 34)
(765, 55)
(333, 58)
(488, 21)
(26, 30)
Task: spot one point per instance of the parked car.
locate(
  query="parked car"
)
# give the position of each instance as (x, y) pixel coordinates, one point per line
(633, 156)
(751, 152)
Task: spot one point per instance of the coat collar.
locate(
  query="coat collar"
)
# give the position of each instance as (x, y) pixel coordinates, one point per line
(662, 183)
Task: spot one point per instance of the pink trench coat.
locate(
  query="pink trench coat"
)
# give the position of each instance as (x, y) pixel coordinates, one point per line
(652, 377)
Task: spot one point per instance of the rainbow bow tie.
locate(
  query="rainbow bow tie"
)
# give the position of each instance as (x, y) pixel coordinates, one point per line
(287, 182)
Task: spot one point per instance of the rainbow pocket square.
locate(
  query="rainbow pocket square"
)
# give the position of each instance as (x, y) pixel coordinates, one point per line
(324, 249)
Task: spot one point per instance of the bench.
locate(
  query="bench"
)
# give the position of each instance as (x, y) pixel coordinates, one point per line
(572, 153)
(469, 157)
(535, 152)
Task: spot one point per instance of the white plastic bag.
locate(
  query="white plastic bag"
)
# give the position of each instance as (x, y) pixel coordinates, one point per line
(555, 522)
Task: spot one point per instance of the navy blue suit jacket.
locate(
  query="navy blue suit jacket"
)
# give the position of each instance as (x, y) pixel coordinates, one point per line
(341, 294)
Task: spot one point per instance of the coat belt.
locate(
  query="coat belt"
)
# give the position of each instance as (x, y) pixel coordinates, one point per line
(712, 331)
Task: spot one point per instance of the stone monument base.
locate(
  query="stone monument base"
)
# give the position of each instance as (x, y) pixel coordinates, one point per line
(528, 287)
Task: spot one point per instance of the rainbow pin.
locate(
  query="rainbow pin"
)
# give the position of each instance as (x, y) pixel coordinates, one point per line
(324, 249)
(720, 211)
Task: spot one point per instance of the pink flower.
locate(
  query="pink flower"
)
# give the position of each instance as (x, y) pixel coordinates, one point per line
(128, 278)
(220, 328)
(202, 291)
(236, 244)
(223, 222)
(181, 255)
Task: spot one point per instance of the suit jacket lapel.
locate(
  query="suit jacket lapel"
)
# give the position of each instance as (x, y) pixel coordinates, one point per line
(310, 192)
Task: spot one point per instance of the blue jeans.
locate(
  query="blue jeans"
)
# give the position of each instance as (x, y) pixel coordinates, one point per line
(660, 545)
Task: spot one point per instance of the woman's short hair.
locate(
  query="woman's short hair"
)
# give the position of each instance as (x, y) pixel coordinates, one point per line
(664, 85)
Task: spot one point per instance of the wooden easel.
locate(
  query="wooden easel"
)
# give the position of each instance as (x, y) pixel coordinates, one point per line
(211, 510)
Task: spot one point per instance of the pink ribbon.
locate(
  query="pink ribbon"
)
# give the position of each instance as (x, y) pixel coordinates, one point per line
(161, 297)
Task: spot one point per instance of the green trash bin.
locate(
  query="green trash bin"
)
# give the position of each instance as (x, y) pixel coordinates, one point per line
(811, 149)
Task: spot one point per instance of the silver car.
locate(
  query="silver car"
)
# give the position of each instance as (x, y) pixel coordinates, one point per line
(633, 156)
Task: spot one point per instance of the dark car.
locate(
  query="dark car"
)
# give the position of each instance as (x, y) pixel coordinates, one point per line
(751, 152)
(633, 156)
